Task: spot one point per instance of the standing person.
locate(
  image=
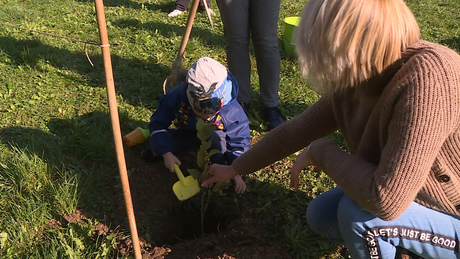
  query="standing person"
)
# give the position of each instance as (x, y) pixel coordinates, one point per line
(182, 6)
(256, 19)
(209, 93)
(396, 100)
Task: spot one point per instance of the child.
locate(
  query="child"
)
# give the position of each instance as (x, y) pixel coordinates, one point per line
(209, 93)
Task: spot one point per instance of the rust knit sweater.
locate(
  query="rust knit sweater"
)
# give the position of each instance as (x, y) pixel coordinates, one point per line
(402, 130)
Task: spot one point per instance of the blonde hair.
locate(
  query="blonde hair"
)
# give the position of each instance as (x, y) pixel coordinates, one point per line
(342, 43)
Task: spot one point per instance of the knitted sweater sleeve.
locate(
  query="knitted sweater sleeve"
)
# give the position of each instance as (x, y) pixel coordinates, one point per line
(424, 108)
(315, 122)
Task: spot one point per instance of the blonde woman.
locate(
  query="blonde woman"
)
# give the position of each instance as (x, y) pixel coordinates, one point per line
(396, 100)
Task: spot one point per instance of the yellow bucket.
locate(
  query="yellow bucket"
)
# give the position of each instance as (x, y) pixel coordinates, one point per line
(290, 24)
(137, 136)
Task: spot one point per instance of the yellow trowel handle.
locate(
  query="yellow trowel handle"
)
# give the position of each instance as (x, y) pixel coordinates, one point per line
(180, 175)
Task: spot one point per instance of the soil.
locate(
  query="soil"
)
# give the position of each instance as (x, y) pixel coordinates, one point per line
(169, 228)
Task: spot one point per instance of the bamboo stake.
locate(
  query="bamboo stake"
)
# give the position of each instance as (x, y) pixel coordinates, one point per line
(208, 12)
(116, 124)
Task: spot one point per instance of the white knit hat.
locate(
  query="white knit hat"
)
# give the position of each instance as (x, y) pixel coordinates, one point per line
(206, 87)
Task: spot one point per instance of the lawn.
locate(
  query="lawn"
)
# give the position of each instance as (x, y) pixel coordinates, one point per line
(60, 190)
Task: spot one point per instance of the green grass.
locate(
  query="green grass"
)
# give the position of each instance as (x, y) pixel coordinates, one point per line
(56, 150)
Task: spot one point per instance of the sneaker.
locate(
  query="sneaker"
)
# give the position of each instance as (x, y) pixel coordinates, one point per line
(175, 12)
(204, 11)
(274, 117)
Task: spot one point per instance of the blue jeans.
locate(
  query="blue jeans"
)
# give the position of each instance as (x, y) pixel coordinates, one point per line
(256, 19)
(421, 230)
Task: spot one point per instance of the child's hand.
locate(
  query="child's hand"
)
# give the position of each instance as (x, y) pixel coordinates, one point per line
(301, 162)
(240, 185)
(169, 160)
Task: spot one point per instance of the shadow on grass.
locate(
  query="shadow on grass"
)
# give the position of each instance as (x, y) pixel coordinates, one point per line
(83, 144)
(148, 4)
(166, 30)
(138, 81)
(136, 5)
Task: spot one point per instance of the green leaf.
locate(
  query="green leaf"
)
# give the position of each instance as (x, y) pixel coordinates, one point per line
(200, 125)
(205, 130)
(209, 130)
(205, 145)
(195, 173)
(213, 152)
(201, 158)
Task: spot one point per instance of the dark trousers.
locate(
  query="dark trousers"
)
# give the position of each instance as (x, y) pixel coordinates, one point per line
(186, 140)
(182, 5)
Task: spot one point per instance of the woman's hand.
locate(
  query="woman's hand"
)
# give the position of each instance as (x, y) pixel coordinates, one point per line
(240, 185)
(301, 161)
(218, 174)
(169, 160)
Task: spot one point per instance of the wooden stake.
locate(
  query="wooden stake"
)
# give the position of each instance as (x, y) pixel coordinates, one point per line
(113, 108)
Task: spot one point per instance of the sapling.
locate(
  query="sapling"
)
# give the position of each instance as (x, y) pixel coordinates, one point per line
(204, 133)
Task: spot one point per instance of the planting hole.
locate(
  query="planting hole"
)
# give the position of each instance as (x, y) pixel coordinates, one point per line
(187, 217)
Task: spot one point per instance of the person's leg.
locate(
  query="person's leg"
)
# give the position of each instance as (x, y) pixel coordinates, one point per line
(264, 30)
(184, 140)
(182, 5)
(235, 18)
(322, 215)
(181, 140)
(420, 230)
(201, 6)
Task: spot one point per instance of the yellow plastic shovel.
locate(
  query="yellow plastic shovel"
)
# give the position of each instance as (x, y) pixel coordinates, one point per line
(186, 187)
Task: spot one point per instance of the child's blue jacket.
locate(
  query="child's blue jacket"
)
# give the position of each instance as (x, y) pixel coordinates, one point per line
(174, 107)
